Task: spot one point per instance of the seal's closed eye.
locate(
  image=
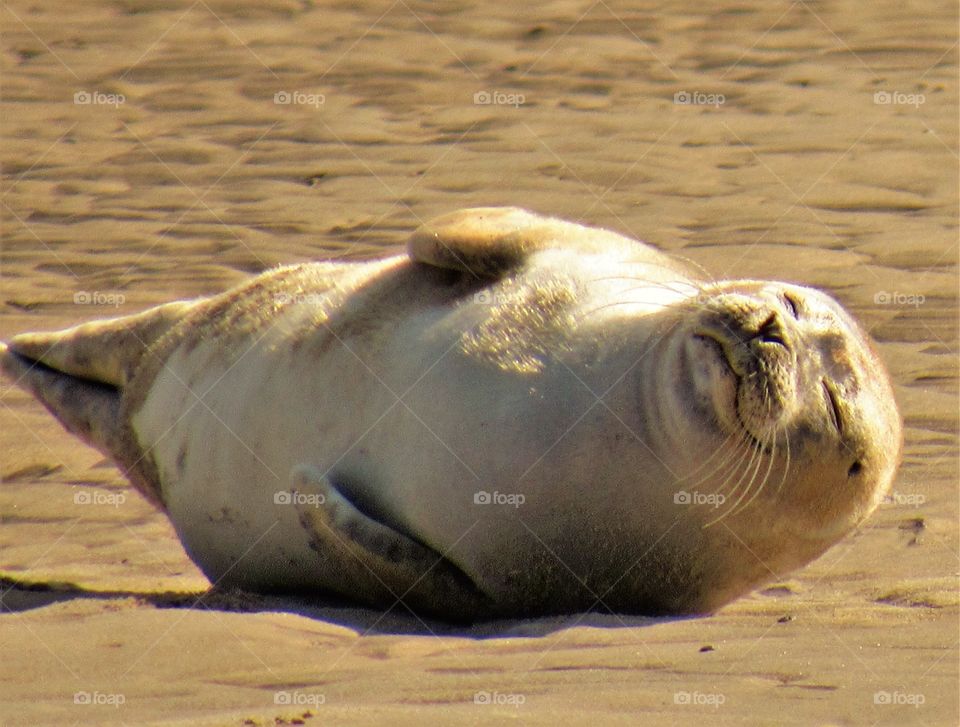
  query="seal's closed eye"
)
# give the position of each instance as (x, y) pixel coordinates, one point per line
(791, 304)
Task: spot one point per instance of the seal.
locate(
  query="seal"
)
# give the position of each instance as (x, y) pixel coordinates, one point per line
(521, 416)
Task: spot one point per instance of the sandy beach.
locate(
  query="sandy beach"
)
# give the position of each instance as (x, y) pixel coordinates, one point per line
(161, 150)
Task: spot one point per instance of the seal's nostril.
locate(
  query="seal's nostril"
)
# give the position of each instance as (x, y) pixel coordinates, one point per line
(770, 331)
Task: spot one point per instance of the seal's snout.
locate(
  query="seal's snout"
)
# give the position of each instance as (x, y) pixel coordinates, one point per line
(759, 347)
(749, 329)
(757, 342)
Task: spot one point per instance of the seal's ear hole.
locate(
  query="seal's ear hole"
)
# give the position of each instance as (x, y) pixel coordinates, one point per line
(855, 469)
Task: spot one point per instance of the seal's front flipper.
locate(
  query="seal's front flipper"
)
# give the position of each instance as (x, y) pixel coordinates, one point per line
(488, 241)
(385, 564)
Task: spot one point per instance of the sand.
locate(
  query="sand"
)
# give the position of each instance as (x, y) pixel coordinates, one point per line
(147, 156)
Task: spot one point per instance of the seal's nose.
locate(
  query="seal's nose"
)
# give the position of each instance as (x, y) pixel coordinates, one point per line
(750, 323)
(761, 342)
(771, 331)
(759, 331)
(758, 334)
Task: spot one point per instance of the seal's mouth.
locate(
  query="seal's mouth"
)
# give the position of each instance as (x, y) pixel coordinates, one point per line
(714, 380)
(750, 381)
(714, 344)
(722, 359)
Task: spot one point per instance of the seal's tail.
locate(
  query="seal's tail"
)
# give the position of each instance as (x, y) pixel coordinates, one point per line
(79, 374)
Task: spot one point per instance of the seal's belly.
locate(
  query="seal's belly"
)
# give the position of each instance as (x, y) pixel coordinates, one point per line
(400, 418)
(418, 424)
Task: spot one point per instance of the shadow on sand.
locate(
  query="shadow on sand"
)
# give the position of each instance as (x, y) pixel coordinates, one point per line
(18, 595)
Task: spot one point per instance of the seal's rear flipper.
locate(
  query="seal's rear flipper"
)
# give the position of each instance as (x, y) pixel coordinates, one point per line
(79, 375)
(88, 409)
(389, 563)
(107, 351)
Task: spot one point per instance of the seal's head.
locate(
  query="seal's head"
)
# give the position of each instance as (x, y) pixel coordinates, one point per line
(787, 379)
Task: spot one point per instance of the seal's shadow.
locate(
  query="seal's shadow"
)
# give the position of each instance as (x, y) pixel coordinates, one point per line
(17, 595)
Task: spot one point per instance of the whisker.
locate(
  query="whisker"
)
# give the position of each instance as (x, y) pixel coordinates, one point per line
(681, 287)
(732, 476)
(786, 468)
(730, 455)
(619, 302)
(700, 269)
(746, 490)
(766, 477)
(757, 453)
